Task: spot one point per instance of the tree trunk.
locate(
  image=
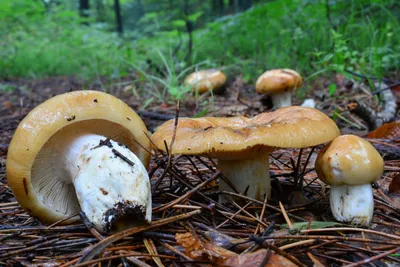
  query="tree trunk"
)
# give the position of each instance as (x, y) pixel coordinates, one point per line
(118, 17)
(218, 7)
(244, 4)
(84, 9)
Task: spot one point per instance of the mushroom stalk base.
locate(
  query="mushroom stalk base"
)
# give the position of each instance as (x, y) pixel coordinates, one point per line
(110, 181)
(252, 173)
(352, 203)
(282, 99)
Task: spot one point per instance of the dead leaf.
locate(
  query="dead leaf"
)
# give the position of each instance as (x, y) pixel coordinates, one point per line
(387, 131)
(394, 186)
(193, 247)
(276, 260)
(257, 258)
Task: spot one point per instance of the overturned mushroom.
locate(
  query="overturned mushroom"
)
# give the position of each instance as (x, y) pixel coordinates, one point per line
(279, 83)
(82, 150)
(205, 80)
(242, 144)
(350, 165)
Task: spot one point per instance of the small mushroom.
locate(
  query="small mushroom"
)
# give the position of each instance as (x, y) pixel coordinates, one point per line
(350, 164)
(83, 150)
(279, 83)
(242, 145)
(205, 80)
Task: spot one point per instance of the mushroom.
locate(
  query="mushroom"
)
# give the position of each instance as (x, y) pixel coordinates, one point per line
(83, 150)
(350, 164)
(242, 144)
(205, 80)
(279, 83)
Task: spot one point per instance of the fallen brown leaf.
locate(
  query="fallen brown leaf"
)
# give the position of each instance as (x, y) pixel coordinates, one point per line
(394, 186)
(193, 247)
(261, 257)
(387, 131)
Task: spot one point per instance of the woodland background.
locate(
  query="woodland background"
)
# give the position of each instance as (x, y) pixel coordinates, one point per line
(161, 41)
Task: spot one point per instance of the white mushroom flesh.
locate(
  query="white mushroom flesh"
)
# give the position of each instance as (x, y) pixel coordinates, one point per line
(352, 203)
(110, 181)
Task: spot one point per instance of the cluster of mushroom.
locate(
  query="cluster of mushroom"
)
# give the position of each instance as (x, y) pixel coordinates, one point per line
(276, 83)
(87, 150)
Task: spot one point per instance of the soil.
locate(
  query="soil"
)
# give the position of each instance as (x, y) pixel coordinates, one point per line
(238, 98)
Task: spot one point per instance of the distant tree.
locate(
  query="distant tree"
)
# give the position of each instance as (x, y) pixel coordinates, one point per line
(84, 8)
(218, 7)
(118, 17)
(239, 5)
(244, 4)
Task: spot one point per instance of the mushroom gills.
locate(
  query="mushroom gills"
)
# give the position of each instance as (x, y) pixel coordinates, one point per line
(110, 181)
(352, 203)
(247, 173)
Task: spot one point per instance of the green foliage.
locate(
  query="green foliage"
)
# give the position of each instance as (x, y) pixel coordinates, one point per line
(332, 89)
(167, 86)
(298, 226)
(35, 42)
(314, 37)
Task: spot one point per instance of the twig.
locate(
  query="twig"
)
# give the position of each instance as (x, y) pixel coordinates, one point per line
(374, 258)
(285, 216)
(185, 196)
(111, 239)
(267, 205)
(350, 229)
(283, 253)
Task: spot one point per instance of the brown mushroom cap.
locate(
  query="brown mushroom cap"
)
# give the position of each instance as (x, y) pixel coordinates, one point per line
(278, 80)
(349, 160)
(205, 80)
(87, 111)
(240, 137)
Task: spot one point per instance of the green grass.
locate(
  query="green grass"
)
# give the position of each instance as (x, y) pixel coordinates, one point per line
(359, 35)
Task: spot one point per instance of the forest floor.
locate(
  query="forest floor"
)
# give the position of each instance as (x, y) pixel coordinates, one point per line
(223, 235)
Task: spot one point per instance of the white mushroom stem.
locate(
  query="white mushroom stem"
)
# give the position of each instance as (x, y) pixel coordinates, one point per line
(252, 173)
(282, 99)
(352, 203)
(110, 181)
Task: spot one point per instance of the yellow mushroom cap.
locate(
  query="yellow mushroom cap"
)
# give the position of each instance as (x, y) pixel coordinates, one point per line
(349, 160)
(240, 137)
(205, 80)
(278, 80)
(28, 163)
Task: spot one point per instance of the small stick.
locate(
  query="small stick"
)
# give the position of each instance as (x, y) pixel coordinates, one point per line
(118, 236)
(267, 205)
(330, 257)
(333, 237)
(177, 252)
(262, 214)
(286, 216)
(374, 258)
(284, 254)
(151, 248)
(232, 216)
(248, 213)
(350, 229)
(185, 196)
(62, 220)
(299, 243)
